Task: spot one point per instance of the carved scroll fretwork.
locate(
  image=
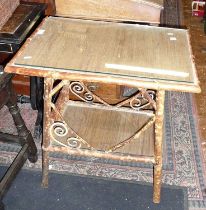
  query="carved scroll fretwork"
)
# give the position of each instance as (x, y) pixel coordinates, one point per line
(83, 93)
(141, 102)
(143, 99)
(59, 132)
(64, 135)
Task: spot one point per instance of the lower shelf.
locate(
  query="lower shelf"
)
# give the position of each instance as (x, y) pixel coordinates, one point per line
(104, 127)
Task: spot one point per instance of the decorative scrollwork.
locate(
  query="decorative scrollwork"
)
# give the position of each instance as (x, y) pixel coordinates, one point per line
(59, 129)
(142, 100)
(88, 97)
(60, 134)
(74, 142)
(152, 94)
(136, 104)
(78, 89)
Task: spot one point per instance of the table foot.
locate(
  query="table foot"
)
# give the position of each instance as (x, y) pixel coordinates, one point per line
(157, 183)
(45, 169)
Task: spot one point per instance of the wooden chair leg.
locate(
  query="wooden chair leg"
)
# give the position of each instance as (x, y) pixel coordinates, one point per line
(23, 133)
(13, 170)
(24, 138)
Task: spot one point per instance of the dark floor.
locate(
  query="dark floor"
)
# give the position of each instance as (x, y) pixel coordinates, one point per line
(71, 192)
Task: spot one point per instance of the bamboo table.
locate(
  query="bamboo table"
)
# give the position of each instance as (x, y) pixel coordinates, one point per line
(69, 52)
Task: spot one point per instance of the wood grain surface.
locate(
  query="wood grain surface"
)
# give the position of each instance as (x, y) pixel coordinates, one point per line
(103, 128)
(127, 10)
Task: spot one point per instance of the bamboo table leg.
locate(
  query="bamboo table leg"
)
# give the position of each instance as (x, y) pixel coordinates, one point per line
(158, 145)
(48, 84)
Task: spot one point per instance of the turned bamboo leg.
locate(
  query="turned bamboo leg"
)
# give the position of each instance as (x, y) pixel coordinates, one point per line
(158, 146)
(48, 84)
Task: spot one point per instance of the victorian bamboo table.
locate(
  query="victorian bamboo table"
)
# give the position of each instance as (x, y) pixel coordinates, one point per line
(69, 52)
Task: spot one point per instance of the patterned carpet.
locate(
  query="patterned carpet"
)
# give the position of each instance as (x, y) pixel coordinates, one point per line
(182, 157)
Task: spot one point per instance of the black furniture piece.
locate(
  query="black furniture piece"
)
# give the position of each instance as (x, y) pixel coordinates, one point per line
(12, 35)
(24, 137)
(22, 23)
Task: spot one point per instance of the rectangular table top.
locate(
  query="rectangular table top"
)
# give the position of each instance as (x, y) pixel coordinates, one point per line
(115, 52)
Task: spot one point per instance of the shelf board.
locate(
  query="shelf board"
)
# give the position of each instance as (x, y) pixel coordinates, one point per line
(104, 127)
